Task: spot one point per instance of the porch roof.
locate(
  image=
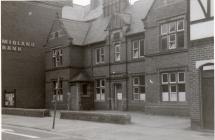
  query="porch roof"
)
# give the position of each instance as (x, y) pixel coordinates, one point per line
(81, 77)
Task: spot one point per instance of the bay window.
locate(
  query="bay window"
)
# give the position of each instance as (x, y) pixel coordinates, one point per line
(57, 57)
(58, 90)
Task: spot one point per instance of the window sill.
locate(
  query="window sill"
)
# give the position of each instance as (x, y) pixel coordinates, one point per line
(174, 103)
(167, 52)
(173, 51)
(96, 101)
(138, 101)
(137, 59)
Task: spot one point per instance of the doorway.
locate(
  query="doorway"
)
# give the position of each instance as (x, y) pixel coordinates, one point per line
(208, 97)
(118, 97)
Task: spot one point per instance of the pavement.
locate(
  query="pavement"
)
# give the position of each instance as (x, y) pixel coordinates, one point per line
(143, 127)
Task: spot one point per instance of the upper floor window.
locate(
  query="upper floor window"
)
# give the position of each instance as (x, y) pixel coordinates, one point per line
(117, 51)
(137, 48)
(100, 90)
(56, 34)
(116, 36)
(99, 55)
(173, 87)
(58, 90)
(139, 88)
(57, 57)
(172, 35)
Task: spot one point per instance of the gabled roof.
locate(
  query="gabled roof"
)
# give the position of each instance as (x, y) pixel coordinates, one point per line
(138, 12)
(92, 28)
(97, 31)
(76, 30)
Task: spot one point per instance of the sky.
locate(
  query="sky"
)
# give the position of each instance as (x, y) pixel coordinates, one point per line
(86, 2)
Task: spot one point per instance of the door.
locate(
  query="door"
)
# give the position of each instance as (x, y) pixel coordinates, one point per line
(208, 99)
(118, 102)
(87, 99)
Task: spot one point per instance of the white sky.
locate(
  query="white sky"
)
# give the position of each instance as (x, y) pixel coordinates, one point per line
(86, 2)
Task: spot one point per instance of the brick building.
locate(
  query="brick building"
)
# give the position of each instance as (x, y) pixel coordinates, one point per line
(127, 57)
(201, 63)
(24, 30)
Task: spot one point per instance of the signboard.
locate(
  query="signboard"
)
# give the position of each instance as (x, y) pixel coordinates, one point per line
(9, 98)
(15, 45)
(119, 96)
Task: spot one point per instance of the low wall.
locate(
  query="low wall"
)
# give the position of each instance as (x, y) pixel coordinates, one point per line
(97, 117)
(26, 112)
(172, 110)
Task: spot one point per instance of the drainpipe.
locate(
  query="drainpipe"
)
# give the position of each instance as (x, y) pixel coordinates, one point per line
(109, 45)
(126, 62)
(92, 74)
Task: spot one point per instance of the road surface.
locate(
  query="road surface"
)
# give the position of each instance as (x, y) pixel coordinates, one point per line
(22, 133)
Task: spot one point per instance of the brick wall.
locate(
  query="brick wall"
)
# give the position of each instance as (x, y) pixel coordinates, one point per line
(25, 70)
(199, 50)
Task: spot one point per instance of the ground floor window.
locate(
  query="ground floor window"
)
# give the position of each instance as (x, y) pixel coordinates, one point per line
(58, 90)
(139, 88)
(173, 87)
(100, 90)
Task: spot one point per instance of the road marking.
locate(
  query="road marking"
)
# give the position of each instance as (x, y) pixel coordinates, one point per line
(9, 131)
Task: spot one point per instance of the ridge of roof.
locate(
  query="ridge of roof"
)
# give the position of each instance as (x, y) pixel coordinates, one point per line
(89, 32)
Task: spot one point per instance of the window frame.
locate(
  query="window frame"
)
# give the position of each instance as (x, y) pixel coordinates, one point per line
(138, 86)
(60, 93)
(57, 57)
(168, 34)
(170, 84)
(184, 77)
(101, 55)
(179, 30)
(138, 49)
(117, 53)
(101, 88)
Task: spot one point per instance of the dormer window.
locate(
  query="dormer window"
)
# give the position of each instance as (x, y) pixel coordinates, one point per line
(56, 34)
(116, 36)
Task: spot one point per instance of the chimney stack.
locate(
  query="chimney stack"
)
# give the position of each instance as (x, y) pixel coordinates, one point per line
(94, 4)
(114, 6)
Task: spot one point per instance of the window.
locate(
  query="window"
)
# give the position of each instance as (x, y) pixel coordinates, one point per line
(172, 35)
(138, 48)
(173, 87)
(100, 55)
(117, 52)
(56, 34)
(57, 57)
(58, 90)
(139, 88)
(100, 90)
(116, 36)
